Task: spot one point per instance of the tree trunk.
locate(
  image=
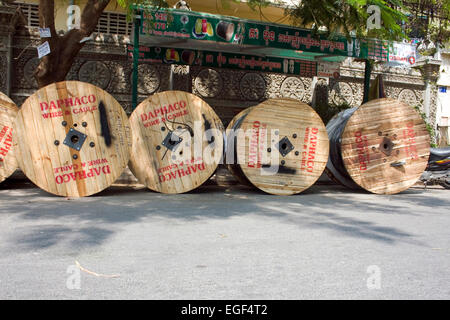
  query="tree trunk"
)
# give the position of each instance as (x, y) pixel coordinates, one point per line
(63, 49)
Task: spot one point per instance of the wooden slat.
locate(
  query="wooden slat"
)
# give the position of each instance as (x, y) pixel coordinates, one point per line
(385, 146)
(298, 169)
(58, 168)
(179, 169)
(8, 113)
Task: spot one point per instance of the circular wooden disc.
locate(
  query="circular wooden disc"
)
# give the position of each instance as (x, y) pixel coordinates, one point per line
(159, 159)
(385, 146)
(230, 147)
(8, 112)
(72, 139)
(298, 143)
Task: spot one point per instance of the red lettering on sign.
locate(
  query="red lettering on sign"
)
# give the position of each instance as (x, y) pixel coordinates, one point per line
(253, 33)
(269, 35)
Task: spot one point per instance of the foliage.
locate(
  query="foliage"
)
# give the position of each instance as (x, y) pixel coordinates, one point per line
(428, 19)
(350, 16)
(128, 5)
(430, 129)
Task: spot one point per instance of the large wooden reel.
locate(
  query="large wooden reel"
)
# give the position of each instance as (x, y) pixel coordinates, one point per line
(282, 146)
(177, 142)
(8, 113)
(385, 146)
(72, 139)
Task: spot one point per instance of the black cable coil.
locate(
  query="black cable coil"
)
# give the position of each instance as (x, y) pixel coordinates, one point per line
(335, 164)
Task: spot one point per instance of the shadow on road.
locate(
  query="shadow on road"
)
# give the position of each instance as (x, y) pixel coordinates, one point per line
(93, 220)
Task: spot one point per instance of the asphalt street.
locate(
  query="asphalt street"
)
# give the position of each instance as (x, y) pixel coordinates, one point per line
(224, 243)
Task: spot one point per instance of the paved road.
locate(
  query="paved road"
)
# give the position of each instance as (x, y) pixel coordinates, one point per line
(219, 243)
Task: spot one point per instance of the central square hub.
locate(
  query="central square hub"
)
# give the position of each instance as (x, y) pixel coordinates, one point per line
(285, 146)
(171, 141)
(74, 139)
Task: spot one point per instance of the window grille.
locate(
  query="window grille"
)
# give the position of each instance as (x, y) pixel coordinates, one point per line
(113, 23)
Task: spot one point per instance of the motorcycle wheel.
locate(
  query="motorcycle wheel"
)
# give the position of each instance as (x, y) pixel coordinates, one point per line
(445, 184)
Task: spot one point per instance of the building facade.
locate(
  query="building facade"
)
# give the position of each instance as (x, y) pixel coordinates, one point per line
(104, 62)
(443, 100)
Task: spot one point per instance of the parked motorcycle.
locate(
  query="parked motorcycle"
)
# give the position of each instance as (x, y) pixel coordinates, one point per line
(438, 168)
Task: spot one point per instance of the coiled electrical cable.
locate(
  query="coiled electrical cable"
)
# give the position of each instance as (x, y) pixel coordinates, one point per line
(335, 165)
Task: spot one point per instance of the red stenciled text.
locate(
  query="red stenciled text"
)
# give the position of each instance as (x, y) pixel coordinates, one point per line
(409, 136)
(254, 148)
(85, 170)
(177, 171)
(363, 150)
(5, 146)
(162, 113)
(309, 149)
(53, 109)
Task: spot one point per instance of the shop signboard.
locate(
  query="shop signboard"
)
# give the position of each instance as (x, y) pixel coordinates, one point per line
(160, 55)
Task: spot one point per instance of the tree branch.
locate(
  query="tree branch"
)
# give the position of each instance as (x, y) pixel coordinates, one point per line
(91, 14)
(89, 20)
(47, 15)
(55, 66)
(47, 20)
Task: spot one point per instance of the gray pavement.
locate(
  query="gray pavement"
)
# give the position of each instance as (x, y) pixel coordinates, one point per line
(224, 243)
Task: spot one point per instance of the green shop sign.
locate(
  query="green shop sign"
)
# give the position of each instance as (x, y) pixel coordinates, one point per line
(159, 55)
(190, 25)
(202, 31)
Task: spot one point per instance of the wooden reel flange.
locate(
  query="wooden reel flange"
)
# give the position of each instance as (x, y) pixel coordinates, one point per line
(8, 113)
(177, 142)
(384, 147)
(281, 145)
(72, 139)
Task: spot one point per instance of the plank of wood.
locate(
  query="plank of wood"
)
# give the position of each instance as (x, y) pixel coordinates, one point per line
(177, 166)
(8, 113)
(288, 135)
(385, 146)
(72, 139)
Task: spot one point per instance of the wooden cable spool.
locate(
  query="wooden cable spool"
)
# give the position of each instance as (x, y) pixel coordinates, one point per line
(177, 142)
(382, 146)
(8, 112)
(72, 139)
(281, 145)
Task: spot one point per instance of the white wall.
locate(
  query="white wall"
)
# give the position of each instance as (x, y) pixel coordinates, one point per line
(443, 103)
